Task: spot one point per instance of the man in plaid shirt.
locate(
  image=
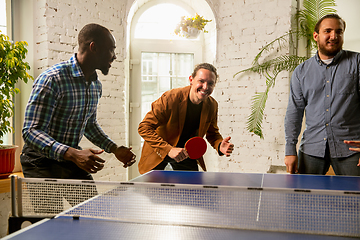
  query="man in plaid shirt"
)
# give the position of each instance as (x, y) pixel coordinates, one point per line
(62, 109)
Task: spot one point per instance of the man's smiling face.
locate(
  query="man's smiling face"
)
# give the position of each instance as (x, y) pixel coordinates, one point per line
(202, 85)
(330, 37)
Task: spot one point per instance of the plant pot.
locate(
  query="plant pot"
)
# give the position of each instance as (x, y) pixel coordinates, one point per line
(7, 158)
(191, 33)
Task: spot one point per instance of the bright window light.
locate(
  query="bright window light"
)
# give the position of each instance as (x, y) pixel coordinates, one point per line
(159, 22)
(3, 16)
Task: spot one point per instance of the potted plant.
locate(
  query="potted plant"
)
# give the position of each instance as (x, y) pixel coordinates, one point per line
(312, 11)
(12, 69)
(190, 27)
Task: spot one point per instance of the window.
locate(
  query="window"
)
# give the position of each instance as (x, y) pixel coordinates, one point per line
(3, 16)
(161, 72)
(3, 28)
(159, 22)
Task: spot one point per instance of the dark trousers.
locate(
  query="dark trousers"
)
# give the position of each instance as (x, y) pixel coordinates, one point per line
(185, 165)
(49, 198)
(320, 165)
(36, 166)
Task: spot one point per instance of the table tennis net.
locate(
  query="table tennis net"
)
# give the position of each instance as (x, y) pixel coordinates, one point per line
(315, 212)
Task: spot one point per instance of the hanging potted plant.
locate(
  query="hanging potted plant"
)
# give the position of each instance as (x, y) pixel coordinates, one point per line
(190, 27)
(12, 69)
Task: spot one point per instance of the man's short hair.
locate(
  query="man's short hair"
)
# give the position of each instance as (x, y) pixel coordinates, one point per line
(206, 66)
(91, 32)
(332, 15)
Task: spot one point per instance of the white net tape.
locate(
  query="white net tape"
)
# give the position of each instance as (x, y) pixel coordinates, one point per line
(318, 212)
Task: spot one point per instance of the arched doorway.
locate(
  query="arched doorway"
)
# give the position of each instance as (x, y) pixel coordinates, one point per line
(159, 60)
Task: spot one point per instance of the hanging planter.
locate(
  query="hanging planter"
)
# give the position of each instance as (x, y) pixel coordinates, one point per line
(191, 27)
(191, 33)
(7, 159)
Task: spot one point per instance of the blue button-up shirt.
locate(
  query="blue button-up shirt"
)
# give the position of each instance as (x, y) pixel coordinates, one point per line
(62, 109)
(330, 96)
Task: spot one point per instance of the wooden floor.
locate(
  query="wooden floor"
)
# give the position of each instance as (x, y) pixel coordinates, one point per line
(331, 171)
(5, 181)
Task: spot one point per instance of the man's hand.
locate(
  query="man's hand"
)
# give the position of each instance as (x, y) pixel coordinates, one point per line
(355, 144)
(87, 159)
(226, 147)
(178, 154)
(124, 155)
(291, 163)
(356, 147)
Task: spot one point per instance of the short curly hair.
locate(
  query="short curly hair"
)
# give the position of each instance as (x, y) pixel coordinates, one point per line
(91, 32)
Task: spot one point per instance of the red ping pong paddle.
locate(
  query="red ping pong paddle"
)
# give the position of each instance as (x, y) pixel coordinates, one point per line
(195, 147)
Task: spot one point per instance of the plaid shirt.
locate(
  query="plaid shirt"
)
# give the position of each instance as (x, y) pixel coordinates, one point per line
(62, 109)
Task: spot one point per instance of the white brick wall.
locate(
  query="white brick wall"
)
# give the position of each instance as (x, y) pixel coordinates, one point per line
(243, 28)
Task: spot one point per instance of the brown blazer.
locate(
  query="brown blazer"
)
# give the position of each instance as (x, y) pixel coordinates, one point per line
(162, 126)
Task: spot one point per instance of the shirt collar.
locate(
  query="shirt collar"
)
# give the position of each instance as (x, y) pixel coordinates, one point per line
(334, 61)
(76, 69)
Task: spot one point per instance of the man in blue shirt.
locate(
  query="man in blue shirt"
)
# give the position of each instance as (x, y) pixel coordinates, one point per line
(62, 109)
(327, 88)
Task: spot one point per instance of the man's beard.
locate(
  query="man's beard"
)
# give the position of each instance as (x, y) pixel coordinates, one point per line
(104, 71)
(330, 53)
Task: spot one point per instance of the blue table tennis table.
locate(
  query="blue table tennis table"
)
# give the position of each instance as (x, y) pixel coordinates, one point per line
(69, 227)
(255, 180)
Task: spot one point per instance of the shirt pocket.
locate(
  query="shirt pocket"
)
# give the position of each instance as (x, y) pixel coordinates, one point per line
(347, 84)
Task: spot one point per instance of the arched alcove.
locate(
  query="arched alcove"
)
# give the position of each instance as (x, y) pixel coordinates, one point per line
(199, 6)
(191, 51)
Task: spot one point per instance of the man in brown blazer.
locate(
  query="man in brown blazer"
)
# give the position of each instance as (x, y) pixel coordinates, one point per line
(178, 115)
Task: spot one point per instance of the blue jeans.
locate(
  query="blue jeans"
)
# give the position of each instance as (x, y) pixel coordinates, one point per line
(320, 165)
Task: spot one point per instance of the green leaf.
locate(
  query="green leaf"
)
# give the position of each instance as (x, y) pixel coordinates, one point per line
(13, 68)
(255, 119)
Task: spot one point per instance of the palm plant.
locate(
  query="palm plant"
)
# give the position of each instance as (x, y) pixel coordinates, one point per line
(306, 19)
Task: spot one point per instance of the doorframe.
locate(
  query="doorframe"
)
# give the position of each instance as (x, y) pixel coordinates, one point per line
(137, 47)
